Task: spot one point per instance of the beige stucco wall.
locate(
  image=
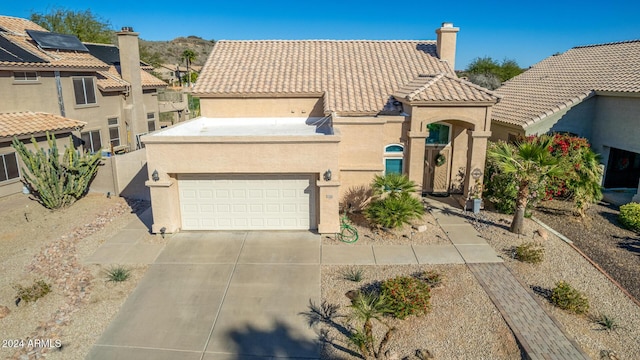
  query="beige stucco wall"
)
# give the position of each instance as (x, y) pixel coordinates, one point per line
(501, 131)
(362, 149)
(130, 172)
(32, 96)
(238, 155)
(42, 96)
(262, 107)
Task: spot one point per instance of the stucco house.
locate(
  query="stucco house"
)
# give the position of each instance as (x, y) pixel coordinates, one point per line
(48, 78)
(292, 130)
(591, 91)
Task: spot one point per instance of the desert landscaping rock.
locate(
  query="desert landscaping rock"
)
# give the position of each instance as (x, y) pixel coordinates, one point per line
(49, 245)
(562, 262)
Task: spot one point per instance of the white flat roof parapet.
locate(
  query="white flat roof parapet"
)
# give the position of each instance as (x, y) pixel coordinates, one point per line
(295, 126)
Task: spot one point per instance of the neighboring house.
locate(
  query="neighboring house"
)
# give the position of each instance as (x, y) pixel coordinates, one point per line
(589, 91)
(25, 125)
(172, 73)
(47, 73)
(291, 130)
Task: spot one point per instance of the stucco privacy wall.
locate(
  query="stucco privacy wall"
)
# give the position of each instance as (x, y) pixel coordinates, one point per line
(174, 155)
(263, 107)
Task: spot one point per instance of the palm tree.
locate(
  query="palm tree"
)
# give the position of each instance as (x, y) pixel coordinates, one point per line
(366, 307)
(392, 185)
(531, 163)
(188, 56)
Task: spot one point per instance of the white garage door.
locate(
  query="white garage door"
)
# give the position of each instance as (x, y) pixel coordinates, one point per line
(247, 202)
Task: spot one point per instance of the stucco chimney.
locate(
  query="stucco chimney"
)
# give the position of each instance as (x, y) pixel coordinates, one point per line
(135, 115)
(446, 43)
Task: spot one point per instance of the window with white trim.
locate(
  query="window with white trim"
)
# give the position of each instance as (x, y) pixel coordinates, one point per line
(114, 131)
(84, 90)
(25, 76)
(9, 167)
(91, 141)
(393, 158)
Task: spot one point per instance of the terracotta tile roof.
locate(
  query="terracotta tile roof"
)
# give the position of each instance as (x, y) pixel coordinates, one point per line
(355, 76)
(14, 30)
(563, 80)
(443, 87)
(110, 80)
(25, 123)
(18, 25)
(151, 82)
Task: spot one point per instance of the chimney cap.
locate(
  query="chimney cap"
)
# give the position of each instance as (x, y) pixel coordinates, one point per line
(447, 24)
(127, 29)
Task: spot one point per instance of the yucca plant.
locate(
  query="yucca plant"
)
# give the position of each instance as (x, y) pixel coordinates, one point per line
(57, 182)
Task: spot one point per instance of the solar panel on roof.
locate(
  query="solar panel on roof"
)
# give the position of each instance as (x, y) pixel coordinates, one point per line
(55, 41)
(13, 53)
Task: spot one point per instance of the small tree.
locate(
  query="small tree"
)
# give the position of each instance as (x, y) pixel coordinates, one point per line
(188, 56)
(531, 163)
(56, 183)
(366, 307)
(83, 24)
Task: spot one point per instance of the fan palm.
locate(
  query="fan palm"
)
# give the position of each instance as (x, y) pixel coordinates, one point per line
(392, 185)
(188, 56)
(531, 163)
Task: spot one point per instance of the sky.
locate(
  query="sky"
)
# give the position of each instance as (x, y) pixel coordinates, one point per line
(524, 31)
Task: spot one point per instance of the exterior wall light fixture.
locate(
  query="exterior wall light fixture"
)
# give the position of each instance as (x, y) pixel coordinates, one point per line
(327, 175)
(155, 175)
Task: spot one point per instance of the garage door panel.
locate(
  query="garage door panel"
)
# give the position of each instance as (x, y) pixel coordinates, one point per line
(245, 202)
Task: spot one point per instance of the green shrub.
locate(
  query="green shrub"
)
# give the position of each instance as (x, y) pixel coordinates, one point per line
(630, 216)
(118, 274)
(530, 252)
(406, 296)
(34, 292)
(567, 298)
(394, 211)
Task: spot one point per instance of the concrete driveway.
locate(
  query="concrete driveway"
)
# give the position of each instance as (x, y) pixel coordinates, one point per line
(221, 295)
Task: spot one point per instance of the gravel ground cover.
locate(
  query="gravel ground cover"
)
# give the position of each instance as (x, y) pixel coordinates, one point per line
(408, 234)
(600, 236)
(38, 244)
(562, 262)
(463, 322)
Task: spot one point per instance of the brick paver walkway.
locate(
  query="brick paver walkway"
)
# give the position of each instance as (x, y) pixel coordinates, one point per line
(538, 333)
